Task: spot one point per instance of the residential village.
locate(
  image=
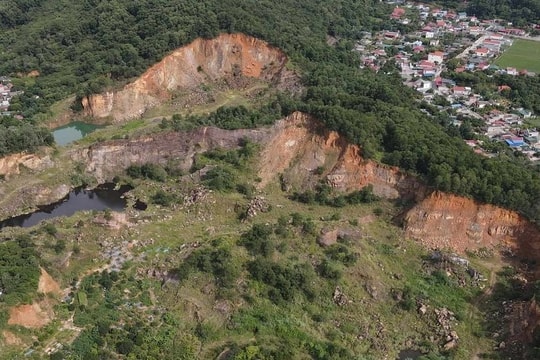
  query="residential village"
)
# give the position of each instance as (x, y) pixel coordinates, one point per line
(5, 95)
(446, 40)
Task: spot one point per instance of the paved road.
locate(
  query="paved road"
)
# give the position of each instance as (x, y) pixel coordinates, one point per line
(473, 46)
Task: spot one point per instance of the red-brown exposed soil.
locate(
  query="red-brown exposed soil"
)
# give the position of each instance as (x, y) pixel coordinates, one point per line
(30, 316)
(201, 62)
(47, 285)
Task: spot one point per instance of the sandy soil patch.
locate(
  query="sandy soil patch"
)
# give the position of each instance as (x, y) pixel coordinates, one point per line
(47, 285)
(29, 316)
(11, 339)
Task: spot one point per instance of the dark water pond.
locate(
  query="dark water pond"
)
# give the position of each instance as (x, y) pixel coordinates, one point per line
(73, 131)
(409, 354)
(103, 197)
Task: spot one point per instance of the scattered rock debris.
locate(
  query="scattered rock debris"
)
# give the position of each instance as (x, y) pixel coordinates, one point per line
(257, 205)
(340, 298)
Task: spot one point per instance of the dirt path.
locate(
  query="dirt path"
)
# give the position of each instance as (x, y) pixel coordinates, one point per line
(487, 292)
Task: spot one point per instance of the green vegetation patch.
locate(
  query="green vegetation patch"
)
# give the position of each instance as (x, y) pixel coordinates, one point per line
(19, 271)
(523, 54)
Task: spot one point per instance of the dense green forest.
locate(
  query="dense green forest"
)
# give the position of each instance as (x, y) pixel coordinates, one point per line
(86, 45)
(519, 12)
(17, 136)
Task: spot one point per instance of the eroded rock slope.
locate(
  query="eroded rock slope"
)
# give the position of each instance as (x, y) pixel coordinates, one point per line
(202, 61)
(449, 221)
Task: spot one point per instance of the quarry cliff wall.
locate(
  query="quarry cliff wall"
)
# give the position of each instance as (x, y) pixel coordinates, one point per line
(202, 61)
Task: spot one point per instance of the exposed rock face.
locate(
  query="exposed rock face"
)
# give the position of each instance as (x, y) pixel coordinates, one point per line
(107, 159)
(352, 172)
(301, 146)
(444, 220)
(27, 197)
(524, 319)
(187, 68)
(11, 164)
(298, 146)
(294, 147)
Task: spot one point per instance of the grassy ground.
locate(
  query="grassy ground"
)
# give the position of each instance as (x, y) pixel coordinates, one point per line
(523, 54)
(391, 277)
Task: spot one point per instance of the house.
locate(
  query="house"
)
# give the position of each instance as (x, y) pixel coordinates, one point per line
(425, 64)
(482, 52)
(514, 141)
(397, 13)
(531, 136)
(423, 85)
(391, 35)
(511, 71)
(475, 30)
(503, 88)
(461, 91)
(525, 113)
(434, 42)
(517, 32)
(436, 57)
(483, 66)
(429, 72)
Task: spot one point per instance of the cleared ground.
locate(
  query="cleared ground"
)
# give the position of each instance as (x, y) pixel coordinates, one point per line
(523, 54)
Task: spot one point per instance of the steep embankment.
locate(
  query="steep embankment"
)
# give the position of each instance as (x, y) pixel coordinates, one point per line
(299, 151)
(12, 164)
(109, 158)
(301, 147)
(445, 220)
(202, 61)
(294, 148)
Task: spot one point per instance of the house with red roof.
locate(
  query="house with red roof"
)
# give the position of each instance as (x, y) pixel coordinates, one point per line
(397, 13)
(482, 52)
(483, 66)
(461, 91)
(425, 64)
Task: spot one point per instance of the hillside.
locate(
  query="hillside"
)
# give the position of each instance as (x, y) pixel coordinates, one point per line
(281, 202)
(224, 262)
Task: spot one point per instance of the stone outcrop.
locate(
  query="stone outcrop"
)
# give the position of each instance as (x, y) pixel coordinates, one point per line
(202, 61)
(110, 158)
(458, 223)
(302, 146)
(294, 147)
(12, 164)
(28, 196)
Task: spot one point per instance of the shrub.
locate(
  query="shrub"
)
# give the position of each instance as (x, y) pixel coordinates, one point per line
(163, 198)
(50, 229)
(219, 178)
(150, 171)
(257, 240)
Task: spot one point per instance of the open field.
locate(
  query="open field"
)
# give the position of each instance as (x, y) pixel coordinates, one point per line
(523, 54)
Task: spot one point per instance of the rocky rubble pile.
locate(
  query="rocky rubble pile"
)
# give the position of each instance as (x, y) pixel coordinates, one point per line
(196, 195)
(257, 205)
